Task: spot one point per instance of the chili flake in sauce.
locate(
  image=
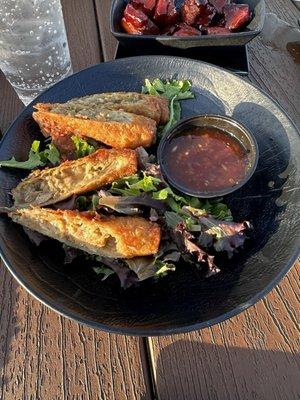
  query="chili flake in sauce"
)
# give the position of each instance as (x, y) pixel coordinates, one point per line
(206, 159)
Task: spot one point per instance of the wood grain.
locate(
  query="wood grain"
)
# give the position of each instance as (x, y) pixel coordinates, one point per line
(43, 355)
(255, 355)
(109, 43)
(82, 31)
(274, 70)
(285, 9)
(10, 105)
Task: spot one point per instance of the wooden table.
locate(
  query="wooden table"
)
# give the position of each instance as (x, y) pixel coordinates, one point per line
(255, 355)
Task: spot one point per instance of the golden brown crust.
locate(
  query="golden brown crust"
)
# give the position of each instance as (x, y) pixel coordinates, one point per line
(43, 106)
(51, 185)
(150, 110)
(163, 104)
(140, 131)
(154, 107)
(113, 237)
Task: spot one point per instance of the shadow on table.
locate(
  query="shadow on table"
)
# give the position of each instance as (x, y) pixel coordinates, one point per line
(190, 370)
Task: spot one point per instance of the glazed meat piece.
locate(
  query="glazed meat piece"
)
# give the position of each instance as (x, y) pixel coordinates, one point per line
(219, 4)
(217, 30)
(112, 237)
(129, 28)
(136, 22)
(190, 11)
(206, 15)
(51, 185)
(236, 16)
(198, 14)
(169, 30)
(114, 128)
(147, 6)
(165, 13)
(186, 30)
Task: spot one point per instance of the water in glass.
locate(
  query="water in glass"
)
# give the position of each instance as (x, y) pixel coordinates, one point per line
(34, 52)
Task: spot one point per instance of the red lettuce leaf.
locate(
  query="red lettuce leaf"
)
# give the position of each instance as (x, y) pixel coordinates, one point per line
(68, 204)
(130, 205)
(71, 254)
(185, 242)
(126, 275)
(227, 236)
(35, 237)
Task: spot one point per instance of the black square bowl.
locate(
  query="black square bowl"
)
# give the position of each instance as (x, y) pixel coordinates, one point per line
(157, 41)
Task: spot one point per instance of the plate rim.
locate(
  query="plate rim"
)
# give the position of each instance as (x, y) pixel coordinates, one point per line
(150, 57)
(135, 331)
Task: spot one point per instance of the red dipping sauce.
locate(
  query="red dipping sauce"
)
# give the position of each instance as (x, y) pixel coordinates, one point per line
(206, 159)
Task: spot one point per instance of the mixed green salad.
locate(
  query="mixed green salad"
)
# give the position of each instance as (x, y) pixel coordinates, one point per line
(193, 229)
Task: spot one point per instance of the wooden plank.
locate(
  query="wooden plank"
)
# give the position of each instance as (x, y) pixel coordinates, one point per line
(256, 354)
(10, 105)
(273, 69)
(82, 32)
(43, 355)
(252, 356)
(257, 330)
(109, 43)
(285, 9)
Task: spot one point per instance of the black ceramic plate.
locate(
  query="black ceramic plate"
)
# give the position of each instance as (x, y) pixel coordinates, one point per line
(181, 301)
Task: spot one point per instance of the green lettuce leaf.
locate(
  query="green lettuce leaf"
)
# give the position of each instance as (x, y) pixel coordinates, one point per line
(130, 205)
(168, 88)
(36, 158)
(87, 203)
(146, 184)
(83, 148)
(166, 193)
(183, 205)
(174, 91)
(103, 270)
(148, 267)
(215, 208)
(135, 185)
(163, 268)
(173, 219)
(51, 154)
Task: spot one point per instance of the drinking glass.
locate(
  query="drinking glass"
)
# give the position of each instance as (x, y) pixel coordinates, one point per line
(34, 52)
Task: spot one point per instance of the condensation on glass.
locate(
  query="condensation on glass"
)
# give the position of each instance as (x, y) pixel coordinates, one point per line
(34, 52)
